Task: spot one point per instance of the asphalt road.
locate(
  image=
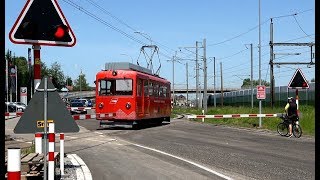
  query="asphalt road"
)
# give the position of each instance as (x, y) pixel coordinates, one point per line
(191, 150)
(234, 152)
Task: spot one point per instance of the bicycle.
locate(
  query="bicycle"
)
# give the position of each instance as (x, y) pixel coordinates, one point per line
(283, 127)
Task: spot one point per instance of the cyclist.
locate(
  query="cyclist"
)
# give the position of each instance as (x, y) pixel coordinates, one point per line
(291, 111)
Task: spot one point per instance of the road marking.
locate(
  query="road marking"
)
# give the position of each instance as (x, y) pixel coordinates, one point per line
(84, 167)
(80, 175)
(185, 160)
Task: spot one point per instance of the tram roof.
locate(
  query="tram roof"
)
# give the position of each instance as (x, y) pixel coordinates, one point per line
(127, 66)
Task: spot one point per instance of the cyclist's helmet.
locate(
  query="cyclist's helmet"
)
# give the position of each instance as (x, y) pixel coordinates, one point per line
(290, 99)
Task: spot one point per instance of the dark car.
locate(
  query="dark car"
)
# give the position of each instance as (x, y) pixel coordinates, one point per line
(11, 107)
(74, 110)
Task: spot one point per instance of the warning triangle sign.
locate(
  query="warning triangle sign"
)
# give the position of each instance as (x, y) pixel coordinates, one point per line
(41, 22)
(298, 81)
(32, 120)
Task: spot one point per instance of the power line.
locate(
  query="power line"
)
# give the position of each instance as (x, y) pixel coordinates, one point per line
(76, 6)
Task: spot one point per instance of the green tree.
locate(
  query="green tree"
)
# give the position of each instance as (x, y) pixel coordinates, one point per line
(81, 80)
(57, 75)
(69, 81)
(247, 83)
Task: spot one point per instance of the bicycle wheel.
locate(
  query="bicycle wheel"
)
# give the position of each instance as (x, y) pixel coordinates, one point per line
(282, 129)
(297, 131)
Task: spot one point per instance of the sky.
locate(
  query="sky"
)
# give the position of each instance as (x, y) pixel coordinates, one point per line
(228, 26)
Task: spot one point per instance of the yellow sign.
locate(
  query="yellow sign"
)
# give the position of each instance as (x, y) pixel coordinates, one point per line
(40, 123)
(37, 61)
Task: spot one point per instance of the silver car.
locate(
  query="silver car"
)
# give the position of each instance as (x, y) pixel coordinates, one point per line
(21, 107)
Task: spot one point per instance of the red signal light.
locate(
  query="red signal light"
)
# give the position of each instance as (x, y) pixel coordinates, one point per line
(61, 31)
(304, 84)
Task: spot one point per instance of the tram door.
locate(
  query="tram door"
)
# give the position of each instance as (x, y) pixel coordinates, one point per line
(146, 97)
(140, 99)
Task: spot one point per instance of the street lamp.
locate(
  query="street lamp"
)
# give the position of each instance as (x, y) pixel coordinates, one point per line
(128, 56)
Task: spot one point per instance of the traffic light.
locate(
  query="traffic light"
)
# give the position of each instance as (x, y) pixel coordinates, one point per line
(298, 80)
(42, 22)
(60, 31)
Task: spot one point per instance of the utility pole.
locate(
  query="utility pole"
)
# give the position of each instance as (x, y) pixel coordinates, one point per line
(205, 103)
(187, 74)
(173, 59)
(271, 66)
(272, 57)
(251, 76)
(214, 82)
(221, 84)
(260, 123)
(80, 79)
(10, 75)
(7, 83)
(197, 76)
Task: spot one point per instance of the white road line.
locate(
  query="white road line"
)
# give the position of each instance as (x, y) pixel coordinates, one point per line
(182, 159)
(85, 169)
(103, 141)
(80, 175)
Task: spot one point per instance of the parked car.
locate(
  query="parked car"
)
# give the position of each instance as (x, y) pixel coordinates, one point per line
(77, 111)
(85, 102)
(10, 108)
(18, 106)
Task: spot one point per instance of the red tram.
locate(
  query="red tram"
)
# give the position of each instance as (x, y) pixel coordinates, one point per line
(128, 94)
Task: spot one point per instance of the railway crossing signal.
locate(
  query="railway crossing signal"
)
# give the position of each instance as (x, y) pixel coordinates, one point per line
(298, 81)
(41, 22)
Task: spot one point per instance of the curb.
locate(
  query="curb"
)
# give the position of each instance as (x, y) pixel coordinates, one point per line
(83, 172)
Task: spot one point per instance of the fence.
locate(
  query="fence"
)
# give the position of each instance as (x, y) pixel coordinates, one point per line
(243, 97)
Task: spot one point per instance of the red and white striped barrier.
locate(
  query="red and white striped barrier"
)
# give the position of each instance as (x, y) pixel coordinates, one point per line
(51, 137)
(38, 142)
(219, 116)
(92, 116)
(84, 116)
(14, 164)
(13, 114)
(61, 154)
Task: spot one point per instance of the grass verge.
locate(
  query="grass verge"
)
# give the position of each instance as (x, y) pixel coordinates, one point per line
(307, 117)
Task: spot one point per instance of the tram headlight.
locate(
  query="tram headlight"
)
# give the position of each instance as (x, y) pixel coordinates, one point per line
(101, 105)
(114, 73)
(128, 105)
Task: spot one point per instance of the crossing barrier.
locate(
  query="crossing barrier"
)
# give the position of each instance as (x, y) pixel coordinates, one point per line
(219, 116)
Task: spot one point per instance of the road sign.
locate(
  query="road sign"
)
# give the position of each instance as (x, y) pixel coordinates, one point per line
(40, 123)
(298, 81)
(57, 112)
(261, 92)
(41, 22)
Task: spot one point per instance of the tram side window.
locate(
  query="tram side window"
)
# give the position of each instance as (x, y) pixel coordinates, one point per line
(150, 89)
(164, 91)
(156, 90)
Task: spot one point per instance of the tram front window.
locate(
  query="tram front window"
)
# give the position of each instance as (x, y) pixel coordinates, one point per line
(115, 87)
